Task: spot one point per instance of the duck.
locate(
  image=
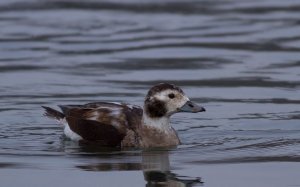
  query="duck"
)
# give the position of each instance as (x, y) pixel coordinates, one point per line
(112, 124)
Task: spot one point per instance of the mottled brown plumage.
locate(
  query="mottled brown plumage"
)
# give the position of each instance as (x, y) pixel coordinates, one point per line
(117, 124)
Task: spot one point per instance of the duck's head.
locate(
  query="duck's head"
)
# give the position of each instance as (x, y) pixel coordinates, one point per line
(164, 99)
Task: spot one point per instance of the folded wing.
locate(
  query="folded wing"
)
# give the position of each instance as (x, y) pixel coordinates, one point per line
(106, 123)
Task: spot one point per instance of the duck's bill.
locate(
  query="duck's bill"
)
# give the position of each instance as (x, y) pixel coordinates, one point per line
(191, 107)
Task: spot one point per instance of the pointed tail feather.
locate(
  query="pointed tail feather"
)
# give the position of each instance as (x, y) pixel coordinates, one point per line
(54, 114)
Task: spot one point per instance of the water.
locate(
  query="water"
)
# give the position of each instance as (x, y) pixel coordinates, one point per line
(239, 59)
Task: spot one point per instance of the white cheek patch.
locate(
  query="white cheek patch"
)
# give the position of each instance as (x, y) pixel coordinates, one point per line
(172, 104)
(177, 103)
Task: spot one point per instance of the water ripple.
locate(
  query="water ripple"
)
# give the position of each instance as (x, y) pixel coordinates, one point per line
(239, 59)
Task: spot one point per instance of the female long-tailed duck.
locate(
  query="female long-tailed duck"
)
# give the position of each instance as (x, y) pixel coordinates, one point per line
(122, 125)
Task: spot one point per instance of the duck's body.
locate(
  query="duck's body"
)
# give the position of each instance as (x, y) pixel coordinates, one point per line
(119, 124)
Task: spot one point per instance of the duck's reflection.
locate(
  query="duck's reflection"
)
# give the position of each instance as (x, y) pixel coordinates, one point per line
(156, 169)
(155, 166)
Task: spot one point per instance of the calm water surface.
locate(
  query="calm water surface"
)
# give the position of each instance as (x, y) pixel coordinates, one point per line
(239, 59)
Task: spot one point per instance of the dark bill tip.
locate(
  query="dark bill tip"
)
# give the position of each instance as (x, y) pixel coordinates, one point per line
(191, 107)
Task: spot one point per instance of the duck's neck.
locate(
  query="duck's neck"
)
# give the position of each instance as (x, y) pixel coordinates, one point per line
(157, 132)
(161, 123)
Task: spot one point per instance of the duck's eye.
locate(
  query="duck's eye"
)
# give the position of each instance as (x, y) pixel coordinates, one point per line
(171, 96)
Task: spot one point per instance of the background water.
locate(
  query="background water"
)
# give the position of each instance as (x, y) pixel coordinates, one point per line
(239, 59)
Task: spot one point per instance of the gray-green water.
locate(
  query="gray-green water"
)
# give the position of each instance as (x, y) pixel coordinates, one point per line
(239, 59)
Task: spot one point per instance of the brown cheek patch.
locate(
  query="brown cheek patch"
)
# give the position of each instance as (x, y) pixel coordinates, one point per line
(156, 109)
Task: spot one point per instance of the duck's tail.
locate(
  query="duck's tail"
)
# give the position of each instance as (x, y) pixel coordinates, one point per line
(54, 114)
